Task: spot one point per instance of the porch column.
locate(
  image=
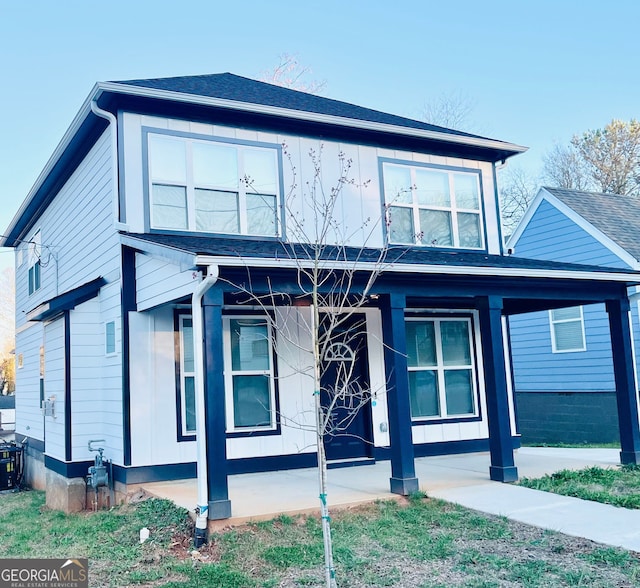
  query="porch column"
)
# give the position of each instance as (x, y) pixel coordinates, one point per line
(502, 467)
(403, 474)
(219, 503)
(623, 370)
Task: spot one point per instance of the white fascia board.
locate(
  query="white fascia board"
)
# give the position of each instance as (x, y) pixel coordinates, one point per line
(416, 268)
(526, 217)
(181, 257)
(305, 115)
(596, 233)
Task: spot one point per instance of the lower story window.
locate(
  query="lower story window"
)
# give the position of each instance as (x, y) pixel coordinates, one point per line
(186, 377)
(249, 374)
(441, 367)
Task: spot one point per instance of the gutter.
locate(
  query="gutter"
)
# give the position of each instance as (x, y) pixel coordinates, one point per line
(211, 277)
(113, 127)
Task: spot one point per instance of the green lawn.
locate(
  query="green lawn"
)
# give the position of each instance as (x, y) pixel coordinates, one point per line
(619, 486)
(420, 543)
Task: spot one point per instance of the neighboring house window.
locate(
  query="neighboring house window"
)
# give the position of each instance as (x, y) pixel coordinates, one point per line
(110, 338)
(186, 377)
(249, 374)
(35, 248)
(441, 367)
(433, 207)
(213, 187)
(567, 330)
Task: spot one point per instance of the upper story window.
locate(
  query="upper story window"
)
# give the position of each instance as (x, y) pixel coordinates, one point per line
(567, 330)
(432, 206)
(35, 265)
(213, 187)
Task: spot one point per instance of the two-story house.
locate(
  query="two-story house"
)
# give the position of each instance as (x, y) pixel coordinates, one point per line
(171, 205)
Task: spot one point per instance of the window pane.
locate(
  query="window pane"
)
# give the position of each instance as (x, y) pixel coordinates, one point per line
(435, 226)
(217, 212)
(466, 187)
(401, 225)
(167, 159)
(572, 312)
(169, 209)
(215, 165)
(469, 229)
(458, 391)
(187, 346)
(190, 403)
(251, 401)
(249, 345)
(260, 171)
(397, 184)
(110, 337)
(421, 344)
(455, 343)
(423, 388)
(569, 336)
(261, 214)
(432, 188)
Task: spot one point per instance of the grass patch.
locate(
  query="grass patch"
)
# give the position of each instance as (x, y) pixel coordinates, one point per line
(422, 543)
(617, 486)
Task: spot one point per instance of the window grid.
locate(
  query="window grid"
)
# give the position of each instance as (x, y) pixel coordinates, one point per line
(441, 369)
(186, 376)
(231, 373)
(241, 190)
(392, 201)
(577, 321)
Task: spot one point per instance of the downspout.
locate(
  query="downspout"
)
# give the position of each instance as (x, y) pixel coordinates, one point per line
(113, 125)
(209, 280)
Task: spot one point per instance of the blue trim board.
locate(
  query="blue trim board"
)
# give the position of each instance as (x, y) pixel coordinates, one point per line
(67, 386)
(128, 303)
(56, 306)
(122, 201)
(33, 443)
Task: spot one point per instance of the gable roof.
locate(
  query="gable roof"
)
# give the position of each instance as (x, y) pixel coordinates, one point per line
(229, 86)
(616, 216)
(235, 100)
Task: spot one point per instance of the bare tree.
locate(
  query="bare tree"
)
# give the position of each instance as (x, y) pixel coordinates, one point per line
(451, 110)
(334, 281)
(290, 73)
(517, 190)
(7, 331)
(604, 160)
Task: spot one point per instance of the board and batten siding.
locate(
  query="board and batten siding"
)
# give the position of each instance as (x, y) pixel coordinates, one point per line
(79, 244)
(29, 420)
(551, 235)
(360, 204)
(54, 381)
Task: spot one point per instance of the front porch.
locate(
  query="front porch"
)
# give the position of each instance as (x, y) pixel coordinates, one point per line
(263, 496)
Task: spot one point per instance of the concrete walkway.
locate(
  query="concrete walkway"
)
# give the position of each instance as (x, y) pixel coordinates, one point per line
(462, 479)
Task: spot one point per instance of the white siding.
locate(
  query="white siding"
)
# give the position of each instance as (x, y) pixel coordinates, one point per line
(29, 420)
(54, 371)
(79, 244)
(158, 282)
(359, 208)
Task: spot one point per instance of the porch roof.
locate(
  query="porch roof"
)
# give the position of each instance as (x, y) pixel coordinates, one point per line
(194, 251)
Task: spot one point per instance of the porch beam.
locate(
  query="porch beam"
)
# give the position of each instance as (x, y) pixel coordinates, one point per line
(217, 474)
(623, 370)
(403, 475)
(502, 468)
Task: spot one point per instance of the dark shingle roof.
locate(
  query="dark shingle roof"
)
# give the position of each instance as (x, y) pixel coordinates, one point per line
(618, 217)
(232, 87)
(253, 248)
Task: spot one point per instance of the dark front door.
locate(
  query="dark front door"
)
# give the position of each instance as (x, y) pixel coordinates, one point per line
(345, 389)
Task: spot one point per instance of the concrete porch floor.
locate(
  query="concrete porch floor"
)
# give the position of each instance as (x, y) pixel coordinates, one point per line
(265, 495)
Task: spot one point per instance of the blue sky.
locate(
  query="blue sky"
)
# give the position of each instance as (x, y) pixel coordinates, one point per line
(537, 71)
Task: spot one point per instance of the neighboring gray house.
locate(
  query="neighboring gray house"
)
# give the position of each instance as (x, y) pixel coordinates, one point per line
(164, 187)
(564, 381)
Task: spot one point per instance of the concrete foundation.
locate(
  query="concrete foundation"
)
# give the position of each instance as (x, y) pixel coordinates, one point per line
(35, 473)
(66, 494)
